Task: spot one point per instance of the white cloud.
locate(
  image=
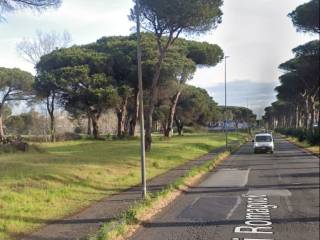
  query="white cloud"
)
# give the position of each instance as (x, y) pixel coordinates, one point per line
(85, 20)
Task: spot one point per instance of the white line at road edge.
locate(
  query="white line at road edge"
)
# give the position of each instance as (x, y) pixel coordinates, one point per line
(251, 239)
(289, 205)
(234, 208)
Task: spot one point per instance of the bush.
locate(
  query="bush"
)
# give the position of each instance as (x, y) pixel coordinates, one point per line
(36, 138)
(10, 145)
(77, 130)
(311, 136)
(7, 148)
(68, 136)
(12, 148)
(46, 138)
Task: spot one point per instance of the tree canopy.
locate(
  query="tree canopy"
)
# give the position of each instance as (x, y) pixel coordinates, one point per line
(83, 78)
(306, 17)
(298, 92)
(15, 85)
(13, 5)
(92, 78)
(175, 16)
(167, 19)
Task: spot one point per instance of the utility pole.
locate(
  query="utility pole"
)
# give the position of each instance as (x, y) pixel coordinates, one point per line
(141, 115)
(248, 126)
(225, 100)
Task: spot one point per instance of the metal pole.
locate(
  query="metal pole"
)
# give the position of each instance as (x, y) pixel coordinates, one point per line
(248, 127)
(225, 100)
(141, 115)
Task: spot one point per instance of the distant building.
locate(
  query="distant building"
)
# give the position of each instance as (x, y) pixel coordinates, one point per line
(230, 125)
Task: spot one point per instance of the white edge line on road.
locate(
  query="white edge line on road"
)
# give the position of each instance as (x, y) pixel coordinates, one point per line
(234, 208)
(193, 202)
(239, 198)
(288, 202)
(279, 177)
(247, 177)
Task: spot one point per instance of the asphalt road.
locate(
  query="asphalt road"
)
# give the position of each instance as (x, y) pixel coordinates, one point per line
(249, 197)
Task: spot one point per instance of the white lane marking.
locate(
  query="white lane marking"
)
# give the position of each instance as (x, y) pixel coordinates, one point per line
(270, 192)
(247, 176)
(191, 205)
(250, 239)
(289, 205)
(279, 177)
(234, 208)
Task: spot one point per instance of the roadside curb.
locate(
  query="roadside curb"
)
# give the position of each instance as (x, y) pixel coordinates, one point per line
(304, 149)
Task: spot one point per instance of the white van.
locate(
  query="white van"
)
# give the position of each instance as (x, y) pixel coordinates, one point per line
(263, 142)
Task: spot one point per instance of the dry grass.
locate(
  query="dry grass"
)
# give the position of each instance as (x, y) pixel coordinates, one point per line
(313, 149)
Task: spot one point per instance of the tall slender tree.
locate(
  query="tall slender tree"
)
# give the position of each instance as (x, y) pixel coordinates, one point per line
(167, 19)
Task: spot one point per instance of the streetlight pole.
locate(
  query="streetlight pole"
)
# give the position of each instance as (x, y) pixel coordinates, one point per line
(248, 125)
(141, 115)
(225, 100)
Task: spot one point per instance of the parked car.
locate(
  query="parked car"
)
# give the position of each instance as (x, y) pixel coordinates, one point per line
(263, 142)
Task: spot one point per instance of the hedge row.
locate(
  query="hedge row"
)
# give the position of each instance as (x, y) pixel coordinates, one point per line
(311, 136)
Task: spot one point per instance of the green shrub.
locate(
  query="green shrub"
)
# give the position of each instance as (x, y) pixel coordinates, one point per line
(311, 136)
(7, 148)
(77, 130)
(68, 136)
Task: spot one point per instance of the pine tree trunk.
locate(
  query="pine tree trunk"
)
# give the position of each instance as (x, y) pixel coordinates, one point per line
(121, 115)
(95, 126)
(1, 126)
(297, 118)
(135, 115)
(312, 109)
(306, 113)
(50, 108)
(317, 117)
(124, 115)
(169, 125)
(89, 130)
(179, 125)
(152, 102)
(52, 127)
(148, 129)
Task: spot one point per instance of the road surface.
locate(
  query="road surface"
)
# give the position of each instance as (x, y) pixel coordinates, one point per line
(249, 197)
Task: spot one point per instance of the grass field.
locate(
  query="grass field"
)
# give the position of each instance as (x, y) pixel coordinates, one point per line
(67, 176)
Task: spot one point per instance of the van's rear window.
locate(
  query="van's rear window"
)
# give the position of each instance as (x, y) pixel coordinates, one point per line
(263, 139)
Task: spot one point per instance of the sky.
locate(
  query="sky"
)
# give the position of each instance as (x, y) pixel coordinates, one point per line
(256, 34)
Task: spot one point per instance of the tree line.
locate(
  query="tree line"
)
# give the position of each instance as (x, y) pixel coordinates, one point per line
(297, 104)
(92, 78)
(87, 80)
